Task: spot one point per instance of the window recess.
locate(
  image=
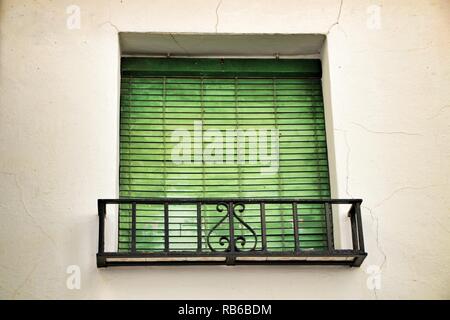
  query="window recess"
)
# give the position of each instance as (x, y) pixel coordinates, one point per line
(224, 212)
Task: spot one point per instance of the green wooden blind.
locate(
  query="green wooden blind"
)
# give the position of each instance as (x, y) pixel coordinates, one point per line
(159, 96)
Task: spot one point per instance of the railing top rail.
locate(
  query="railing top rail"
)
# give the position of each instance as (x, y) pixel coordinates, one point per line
(236, 200)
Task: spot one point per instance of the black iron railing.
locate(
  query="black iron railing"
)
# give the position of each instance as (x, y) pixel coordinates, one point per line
(230, 239)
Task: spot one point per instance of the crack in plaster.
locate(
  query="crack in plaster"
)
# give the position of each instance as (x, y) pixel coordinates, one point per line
(110, 24)
(217, 15)
(27, 211)
(376, 219)
(337, 18)
(393, 193)
(372, 215)
(178, 44)
(387, 132)
(439, 112)
(371, 211)
(25, 280)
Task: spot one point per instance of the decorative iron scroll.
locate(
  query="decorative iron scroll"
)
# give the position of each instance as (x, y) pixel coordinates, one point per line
(241, 208)
(223, 240)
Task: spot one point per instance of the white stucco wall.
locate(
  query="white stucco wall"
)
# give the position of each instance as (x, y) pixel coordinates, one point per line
(388, 100)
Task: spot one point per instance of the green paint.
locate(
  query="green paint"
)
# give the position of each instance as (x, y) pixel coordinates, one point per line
(161, 95)
(220, 67)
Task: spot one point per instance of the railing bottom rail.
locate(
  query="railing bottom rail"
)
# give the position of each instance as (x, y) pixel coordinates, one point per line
(339, 257)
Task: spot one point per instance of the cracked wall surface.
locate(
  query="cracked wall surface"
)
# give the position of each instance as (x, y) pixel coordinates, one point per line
(388, 126)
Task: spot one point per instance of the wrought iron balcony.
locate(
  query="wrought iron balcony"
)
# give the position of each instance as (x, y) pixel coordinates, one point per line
(162, 231)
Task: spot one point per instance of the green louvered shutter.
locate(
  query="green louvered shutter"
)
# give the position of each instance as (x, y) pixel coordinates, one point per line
(159, 96)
